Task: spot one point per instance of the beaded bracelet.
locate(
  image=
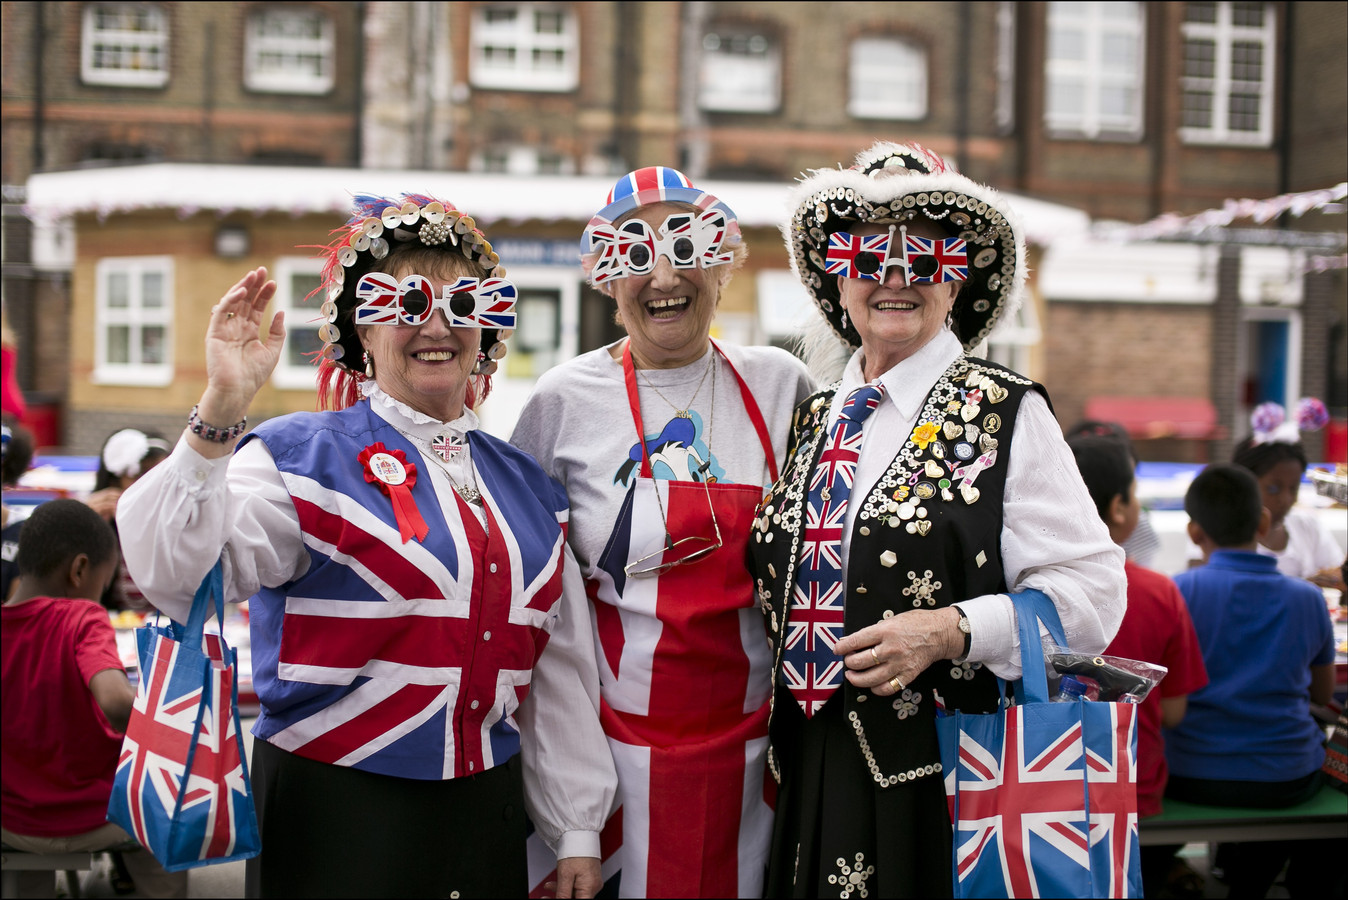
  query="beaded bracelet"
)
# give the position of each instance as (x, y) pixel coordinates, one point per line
(210, 432)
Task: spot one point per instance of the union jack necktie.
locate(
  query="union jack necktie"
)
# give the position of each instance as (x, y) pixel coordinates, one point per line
(809, 666)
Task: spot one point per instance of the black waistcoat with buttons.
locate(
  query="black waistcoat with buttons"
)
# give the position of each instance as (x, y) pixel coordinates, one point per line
(926, 535)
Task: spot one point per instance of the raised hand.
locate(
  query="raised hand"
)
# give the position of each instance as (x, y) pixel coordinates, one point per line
(240, 357)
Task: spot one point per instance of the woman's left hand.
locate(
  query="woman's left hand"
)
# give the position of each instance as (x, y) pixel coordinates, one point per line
(900, 647)
(577, 876)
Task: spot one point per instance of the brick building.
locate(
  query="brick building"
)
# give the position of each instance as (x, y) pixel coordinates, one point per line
(1125, 111)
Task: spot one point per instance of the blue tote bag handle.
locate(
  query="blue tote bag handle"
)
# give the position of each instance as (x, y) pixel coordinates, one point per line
(1033, 607)
(212, 586)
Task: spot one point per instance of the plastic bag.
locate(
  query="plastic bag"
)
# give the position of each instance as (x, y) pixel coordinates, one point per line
(1108, 679)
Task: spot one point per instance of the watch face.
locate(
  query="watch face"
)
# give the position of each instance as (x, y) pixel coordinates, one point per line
(964, 624)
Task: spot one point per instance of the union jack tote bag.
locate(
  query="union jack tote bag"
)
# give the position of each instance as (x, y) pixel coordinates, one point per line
(1042, 795)
(182, 785)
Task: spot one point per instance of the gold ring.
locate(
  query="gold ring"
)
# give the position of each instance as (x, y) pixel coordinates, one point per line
(875, 656)
(896, 684)
(229, 315)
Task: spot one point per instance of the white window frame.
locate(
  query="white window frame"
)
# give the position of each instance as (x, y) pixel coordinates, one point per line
(521, 35)
(91, 37)
(288, 80)
(519, 159)
(134, 316)
(1091, 74)
(726, 82)
(905, 74)
(1224, 33)
(300, 316)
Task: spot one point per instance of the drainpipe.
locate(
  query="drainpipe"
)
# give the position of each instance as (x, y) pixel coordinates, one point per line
(1285, 107)
(39, 111)
(962, 85)
(358, 75)
(693, 149)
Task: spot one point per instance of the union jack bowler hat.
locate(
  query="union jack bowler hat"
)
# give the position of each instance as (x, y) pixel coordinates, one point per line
(656, 184)
(898, 183)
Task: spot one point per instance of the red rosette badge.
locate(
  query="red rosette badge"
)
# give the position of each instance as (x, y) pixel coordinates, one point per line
(395, 476)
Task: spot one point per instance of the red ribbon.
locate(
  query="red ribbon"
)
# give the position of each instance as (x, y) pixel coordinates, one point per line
(396, 477)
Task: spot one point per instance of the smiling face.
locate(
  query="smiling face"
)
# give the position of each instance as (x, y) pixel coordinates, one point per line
(668, 312)
(1279, 487)
(426, 366)
(895, 319)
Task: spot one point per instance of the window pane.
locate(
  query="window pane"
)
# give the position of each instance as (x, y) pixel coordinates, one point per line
(1244, 112)
(152, 345)
(119, 290)
(152, 290)
(302, 343)
(1200, 12)
(1200, 59)
(1119, 12)
(1248, 15)
(1197, 109)
(1066, 98)
(119, 345)
(1119, 52)
(1067, 44)
(547, 22)
(1116, 101)
(302, 284)
(1247, 58)
(500, 15)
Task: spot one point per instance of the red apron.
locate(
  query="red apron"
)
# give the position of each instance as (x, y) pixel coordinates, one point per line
(686, 679)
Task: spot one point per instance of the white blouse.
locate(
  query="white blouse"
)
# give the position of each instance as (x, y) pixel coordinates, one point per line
(188, 511)
(1053, 539)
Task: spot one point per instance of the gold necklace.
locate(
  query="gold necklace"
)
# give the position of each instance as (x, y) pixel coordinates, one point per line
(682, 413)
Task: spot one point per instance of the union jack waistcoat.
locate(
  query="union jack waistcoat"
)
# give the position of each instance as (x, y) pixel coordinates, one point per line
(893, 567)
(404, 659)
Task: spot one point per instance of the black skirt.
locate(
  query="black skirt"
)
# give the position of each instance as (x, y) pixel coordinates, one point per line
(838, 833)
(334, 831)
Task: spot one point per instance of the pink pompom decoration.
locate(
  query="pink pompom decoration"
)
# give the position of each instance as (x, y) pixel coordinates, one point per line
(1311, 414)
(1266, 417)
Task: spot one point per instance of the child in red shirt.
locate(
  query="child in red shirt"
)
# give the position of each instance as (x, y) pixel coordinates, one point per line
(1155, 629)
(66, 699)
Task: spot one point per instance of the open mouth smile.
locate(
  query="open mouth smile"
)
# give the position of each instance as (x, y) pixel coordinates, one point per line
(666, 307)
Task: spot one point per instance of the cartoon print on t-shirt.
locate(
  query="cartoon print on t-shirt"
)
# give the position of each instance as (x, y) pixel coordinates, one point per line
(678, 453)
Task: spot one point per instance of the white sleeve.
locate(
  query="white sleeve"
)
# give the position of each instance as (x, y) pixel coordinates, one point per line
(189, 511)
(569, 778)
(1053, 540)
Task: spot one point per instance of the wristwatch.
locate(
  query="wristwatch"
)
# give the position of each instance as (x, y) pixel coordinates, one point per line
(968, 633)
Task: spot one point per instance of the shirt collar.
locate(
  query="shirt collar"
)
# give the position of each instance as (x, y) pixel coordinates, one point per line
(908, 383)
(413, 423)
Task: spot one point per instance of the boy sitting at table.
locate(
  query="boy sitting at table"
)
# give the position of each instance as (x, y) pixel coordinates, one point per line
(65, 700)
(1248, 738)
(1155, 629)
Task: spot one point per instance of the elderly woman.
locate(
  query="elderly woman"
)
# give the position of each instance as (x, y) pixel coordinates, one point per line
(664, 442)
(917, 493)
(420, 644)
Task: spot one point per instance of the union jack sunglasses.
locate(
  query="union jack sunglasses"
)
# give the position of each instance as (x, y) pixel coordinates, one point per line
(467, 303)
(687, 240)
(923, 260)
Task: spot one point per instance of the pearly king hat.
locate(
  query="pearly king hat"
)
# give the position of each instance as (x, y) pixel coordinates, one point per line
(897, 183)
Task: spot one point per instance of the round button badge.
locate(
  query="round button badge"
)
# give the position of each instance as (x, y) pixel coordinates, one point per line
(387, 469)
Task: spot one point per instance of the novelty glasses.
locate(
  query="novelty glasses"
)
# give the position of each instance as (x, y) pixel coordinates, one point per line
(468, 302)
(684, 550)
(923, 260)
(687, 240)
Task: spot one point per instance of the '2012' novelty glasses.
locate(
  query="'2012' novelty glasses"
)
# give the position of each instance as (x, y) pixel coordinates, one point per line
(687, 240)
(923, 260)
(468, 302)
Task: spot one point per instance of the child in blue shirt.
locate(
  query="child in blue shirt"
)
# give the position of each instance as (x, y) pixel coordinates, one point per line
(1248, 738)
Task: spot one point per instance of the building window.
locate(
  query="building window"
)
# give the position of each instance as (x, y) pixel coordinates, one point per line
(888, 79)
(1228, 73)
(296, 278)
(1093, 74)
(525, 47)
(124, 44)
(1013, 341)
(520, 160)
(289, 51)
(740, 71)
(134, 318)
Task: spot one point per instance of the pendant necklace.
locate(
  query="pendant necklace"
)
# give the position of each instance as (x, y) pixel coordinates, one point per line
(682, 413)
(445, 447)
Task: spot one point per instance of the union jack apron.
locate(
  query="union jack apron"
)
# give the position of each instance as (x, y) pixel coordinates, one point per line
(685, 673)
